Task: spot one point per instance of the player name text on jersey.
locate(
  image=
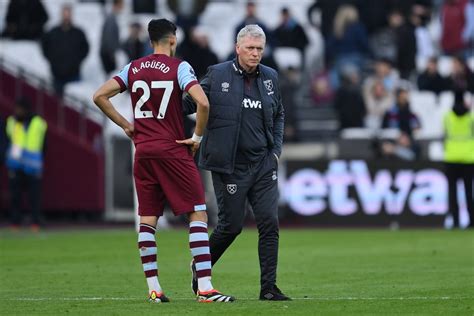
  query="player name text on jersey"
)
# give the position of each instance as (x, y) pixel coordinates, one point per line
(151, 64)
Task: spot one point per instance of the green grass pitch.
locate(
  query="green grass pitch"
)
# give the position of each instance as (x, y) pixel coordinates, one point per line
(328, 272)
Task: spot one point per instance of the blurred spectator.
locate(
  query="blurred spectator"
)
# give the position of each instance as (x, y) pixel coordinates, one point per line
(420, 16)
(322, 12)
(251, 18)
(400, 116)
(26, 133)
(468, 31)
(187, 12)
(65, 47)
(453, 22)
(377, 101)
(110, 38)
(144, 6)
(405, 39)
(290, 80)
(459, 155)
(348, 45)
(384, 42)
(461, 78)
(348, 101)
(195, 50)
(134, 45)
(290, 33)
(431, 79)
(25, 19)
(373, 13)
(383, 72)
(403, 147)
(314, 53)
(405, 6)
(321, 90)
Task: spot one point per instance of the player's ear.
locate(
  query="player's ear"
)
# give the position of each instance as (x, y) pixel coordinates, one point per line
(173, 40)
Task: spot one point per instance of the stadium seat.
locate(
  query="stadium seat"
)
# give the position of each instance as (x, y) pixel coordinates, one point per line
(445, 65)
(286, 57)
(436, 151)
(214, 17)
(357, 133)
(26, 54)
(446, 100)
(421, 63)
(470, 63)
(426, 107)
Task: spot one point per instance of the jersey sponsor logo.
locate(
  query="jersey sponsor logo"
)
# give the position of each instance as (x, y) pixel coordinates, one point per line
(232, 188)
(269, 86)
(251, 104)
(153, 65)
(225, 86)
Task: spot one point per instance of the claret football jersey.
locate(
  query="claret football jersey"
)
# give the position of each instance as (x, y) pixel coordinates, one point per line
(156, 84)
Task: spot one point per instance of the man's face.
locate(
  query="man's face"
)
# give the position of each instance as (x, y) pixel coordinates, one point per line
(251, 9)
(250, 51)
(382, 68)
(402, 98)
(66, 15)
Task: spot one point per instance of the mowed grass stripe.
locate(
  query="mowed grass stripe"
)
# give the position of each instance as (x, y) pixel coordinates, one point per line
(327, 271)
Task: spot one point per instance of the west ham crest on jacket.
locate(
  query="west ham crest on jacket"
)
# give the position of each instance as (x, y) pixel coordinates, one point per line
(269, 86)
(232, 188)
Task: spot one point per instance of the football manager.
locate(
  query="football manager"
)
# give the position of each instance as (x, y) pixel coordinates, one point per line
(241, 148)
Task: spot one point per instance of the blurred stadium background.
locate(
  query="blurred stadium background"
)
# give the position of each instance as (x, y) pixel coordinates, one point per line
(334, 170)
(340, 72)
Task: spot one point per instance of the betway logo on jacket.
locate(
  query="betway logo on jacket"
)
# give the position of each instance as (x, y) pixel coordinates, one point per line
(251, 104)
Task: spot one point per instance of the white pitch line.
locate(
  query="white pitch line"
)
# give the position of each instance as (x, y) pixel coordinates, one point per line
(349, 298)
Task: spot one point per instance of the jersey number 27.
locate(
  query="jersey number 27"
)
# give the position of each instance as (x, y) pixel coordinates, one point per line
(140, 84)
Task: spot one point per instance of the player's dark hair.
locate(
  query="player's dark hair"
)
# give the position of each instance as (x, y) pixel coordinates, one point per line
(159, 29)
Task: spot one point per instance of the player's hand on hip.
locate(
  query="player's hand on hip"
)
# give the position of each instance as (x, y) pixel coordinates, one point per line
(194, 146)
(129, 130)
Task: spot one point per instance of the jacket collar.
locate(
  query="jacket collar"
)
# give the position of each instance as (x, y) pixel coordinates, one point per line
(239, 70)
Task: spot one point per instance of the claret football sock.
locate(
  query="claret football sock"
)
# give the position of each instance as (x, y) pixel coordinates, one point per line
(147, 248)
(199, 245)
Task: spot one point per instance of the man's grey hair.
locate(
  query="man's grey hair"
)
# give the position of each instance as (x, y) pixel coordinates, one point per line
(252, 30)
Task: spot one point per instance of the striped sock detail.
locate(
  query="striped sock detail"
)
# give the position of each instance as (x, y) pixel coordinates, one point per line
(199, 245)
(148, 251)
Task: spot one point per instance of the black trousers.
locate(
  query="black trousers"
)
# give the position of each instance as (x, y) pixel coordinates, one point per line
(21, 183)
(256, 183)
(464, 172)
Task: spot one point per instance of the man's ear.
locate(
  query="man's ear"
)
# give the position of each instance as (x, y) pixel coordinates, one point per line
(173, 40)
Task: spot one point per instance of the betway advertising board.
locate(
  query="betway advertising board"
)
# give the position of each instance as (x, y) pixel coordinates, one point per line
(363, 193)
